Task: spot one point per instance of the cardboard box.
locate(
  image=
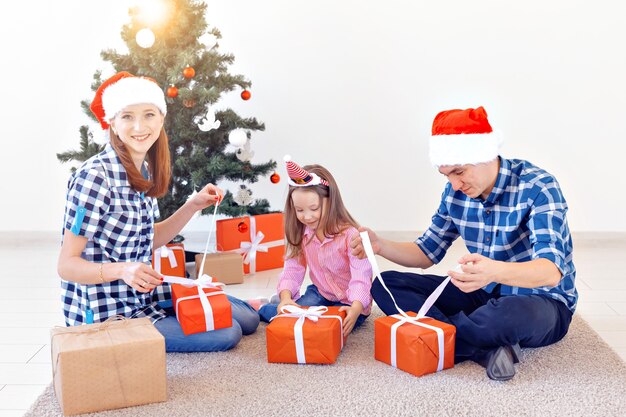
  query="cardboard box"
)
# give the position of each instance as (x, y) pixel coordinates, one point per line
(321, 341)
(417, 350)
(196, 315)
(108, 365)
(170, 260)
(260, 239)
(223, 267)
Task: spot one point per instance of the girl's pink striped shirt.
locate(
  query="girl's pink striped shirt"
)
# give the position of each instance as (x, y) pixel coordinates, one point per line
(337, 274)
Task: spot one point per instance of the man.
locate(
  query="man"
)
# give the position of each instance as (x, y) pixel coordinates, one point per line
(517, 286)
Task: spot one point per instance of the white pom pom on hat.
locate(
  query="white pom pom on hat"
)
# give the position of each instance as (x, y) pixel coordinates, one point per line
(462, 137)
(124, 89)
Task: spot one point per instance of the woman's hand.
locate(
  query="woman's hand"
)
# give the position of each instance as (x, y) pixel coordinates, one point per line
(354, 311)
(208, 196)
(140, 276)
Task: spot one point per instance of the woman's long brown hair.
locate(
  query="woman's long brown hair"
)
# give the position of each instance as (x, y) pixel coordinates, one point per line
(334, 219)
(158, 165)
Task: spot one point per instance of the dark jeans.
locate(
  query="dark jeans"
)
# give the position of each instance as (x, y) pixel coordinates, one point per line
(311, 297)
(483, 320)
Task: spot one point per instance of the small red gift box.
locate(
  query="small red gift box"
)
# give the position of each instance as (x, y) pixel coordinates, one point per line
(201, 307)
(170, 260)
(305, 335)
(259, 238)
(417, 346)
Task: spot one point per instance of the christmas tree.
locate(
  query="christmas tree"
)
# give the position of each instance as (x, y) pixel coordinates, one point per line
(181, 54)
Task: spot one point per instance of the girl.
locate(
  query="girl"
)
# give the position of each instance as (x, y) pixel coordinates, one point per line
(318, 230)
(110, 228)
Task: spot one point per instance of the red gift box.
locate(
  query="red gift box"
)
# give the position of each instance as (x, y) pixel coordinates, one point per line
(417, 346)
(305, 335)
(201, 307)
(260, 239)
(170, 260)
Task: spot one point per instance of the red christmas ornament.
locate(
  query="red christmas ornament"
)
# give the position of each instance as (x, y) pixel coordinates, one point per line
(189, 72)
(242, 227)
(245, 95)
(172, 91)
(275, 178)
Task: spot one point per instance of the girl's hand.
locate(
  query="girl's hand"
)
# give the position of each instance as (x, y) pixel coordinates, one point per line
(354, 311)
(283, 303)
(140, 276)
(208, 196)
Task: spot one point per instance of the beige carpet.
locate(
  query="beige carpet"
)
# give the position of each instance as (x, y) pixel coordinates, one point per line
(579, 376)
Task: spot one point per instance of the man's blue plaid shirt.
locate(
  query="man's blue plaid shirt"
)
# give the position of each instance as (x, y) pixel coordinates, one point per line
(522, 219)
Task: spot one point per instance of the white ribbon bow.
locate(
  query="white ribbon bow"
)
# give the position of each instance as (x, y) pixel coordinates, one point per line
(205, 281)
(166, 252)
(313, 313)
(250, 249)
(403, 317)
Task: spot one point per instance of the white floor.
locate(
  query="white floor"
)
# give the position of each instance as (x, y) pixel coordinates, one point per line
(30, 303)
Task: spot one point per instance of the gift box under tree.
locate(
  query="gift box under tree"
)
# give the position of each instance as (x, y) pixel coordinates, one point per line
(227, 267)
(260, 239)
(170, 260)
(417, 346)
(305, 335)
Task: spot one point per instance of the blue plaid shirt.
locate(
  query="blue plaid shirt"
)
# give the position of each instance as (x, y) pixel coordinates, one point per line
(522, 219)
(118, 223)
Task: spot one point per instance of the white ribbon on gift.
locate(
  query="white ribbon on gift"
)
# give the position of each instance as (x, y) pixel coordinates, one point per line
(166, 252)
(403, 317)
(205, 281)
(250, 249)
(312, 313)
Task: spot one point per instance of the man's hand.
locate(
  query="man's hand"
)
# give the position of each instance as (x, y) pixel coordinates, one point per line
(356, 244)
(478, 271)
(353, 313)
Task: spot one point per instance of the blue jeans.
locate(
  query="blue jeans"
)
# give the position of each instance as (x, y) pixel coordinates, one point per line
(311, 297)
(245, 321)
(484, 321)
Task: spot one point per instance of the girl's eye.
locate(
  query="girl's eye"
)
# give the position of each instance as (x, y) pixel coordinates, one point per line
(150, 115)
(127, 117)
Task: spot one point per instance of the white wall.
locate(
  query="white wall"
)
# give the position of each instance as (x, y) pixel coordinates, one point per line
(352, 85)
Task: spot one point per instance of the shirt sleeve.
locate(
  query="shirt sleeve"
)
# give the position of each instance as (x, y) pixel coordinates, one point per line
(361, 276)
(548, 227)
(440, 235)
(87, 201)
(292, 276)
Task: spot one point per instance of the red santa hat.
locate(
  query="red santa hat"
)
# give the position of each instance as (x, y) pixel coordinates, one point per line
(124, 89)
(462, 137)
(299, 177)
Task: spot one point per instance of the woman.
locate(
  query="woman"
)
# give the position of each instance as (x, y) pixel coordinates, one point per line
(110, 228)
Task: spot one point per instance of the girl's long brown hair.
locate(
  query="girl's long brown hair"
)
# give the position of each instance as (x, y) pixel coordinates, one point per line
(334, 219)
(158, 165)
